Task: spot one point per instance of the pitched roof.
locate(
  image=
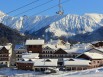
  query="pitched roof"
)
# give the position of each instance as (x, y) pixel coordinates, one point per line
(50, 46)
(76, 50)
(41, 62)
(44, 62)
(94, 55)
(27, 56)
(60, 51)
(75, 62)
(8, 46)
(34, 42)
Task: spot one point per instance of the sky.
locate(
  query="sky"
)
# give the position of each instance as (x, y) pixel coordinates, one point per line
(79, 7)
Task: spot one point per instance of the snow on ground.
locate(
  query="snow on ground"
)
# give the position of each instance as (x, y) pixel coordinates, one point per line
(96, 72)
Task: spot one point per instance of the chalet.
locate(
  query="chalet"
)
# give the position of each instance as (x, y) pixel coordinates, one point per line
(35, 45)
(48, 51)
(51, 51)
(95, 56)
(71, 64)
(18, 50)
(45, 64)
(60, 53)
(5, 55)
(74, 52)
(31, 61)
(27, 61)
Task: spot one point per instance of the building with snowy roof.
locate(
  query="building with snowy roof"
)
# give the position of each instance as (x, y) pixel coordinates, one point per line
(34, 45)
(37, 64)
(94, 55)
(76, 64)
(5, 55)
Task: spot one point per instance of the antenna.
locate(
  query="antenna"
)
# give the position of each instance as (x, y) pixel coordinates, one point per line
(60, 12)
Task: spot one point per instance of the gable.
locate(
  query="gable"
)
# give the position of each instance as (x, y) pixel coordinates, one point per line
(60, 51)
(83, 56)
(47, 47)
(95, 50)
(3, 50)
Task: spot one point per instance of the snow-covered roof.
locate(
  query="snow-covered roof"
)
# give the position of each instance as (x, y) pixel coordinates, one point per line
(94, 55)
(30, 55)
(99, 48)
(75, 62)
(77, 50)
(45, 62)
(53, 46)
(1, 47)
(35, 42)
(41, 62)
(7, 46)
(94, 42)
(50, 45)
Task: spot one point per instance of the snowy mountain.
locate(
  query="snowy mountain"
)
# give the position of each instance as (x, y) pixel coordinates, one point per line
(66, 25)
(96, 35)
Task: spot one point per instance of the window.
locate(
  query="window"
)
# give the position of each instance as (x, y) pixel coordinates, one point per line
(5, 62)
(93, 61)
(30, 46)
(89, 63)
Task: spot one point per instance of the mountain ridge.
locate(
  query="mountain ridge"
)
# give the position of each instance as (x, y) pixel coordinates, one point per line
(65, 25)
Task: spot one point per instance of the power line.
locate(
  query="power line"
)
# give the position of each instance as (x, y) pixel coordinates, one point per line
(50, 7)
(34, 7)
(22, 6)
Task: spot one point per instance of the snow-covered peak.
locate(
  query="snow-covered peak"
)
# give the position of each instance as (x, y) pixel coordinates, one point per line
(2, 14)
(96, 17)
(67, 25)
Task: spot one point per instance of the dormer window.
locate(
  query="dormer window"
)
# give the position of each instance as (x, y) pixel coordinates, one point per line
(71, 59)
(48, 60)
(30, 60)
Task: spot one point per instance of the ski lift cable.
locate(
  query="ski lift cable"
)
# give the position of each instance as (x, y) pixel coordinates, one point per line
(23, 6)
(50, 8)
(29, 9)
(34, 8)
(46, 10)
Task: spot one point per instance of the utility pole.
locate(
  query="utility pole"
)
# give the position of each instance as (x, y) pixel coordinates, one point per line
(60, 12)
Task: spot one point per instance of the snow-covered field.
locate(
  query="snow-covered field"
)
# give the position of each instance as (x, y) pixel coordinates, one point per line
(97, 72)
